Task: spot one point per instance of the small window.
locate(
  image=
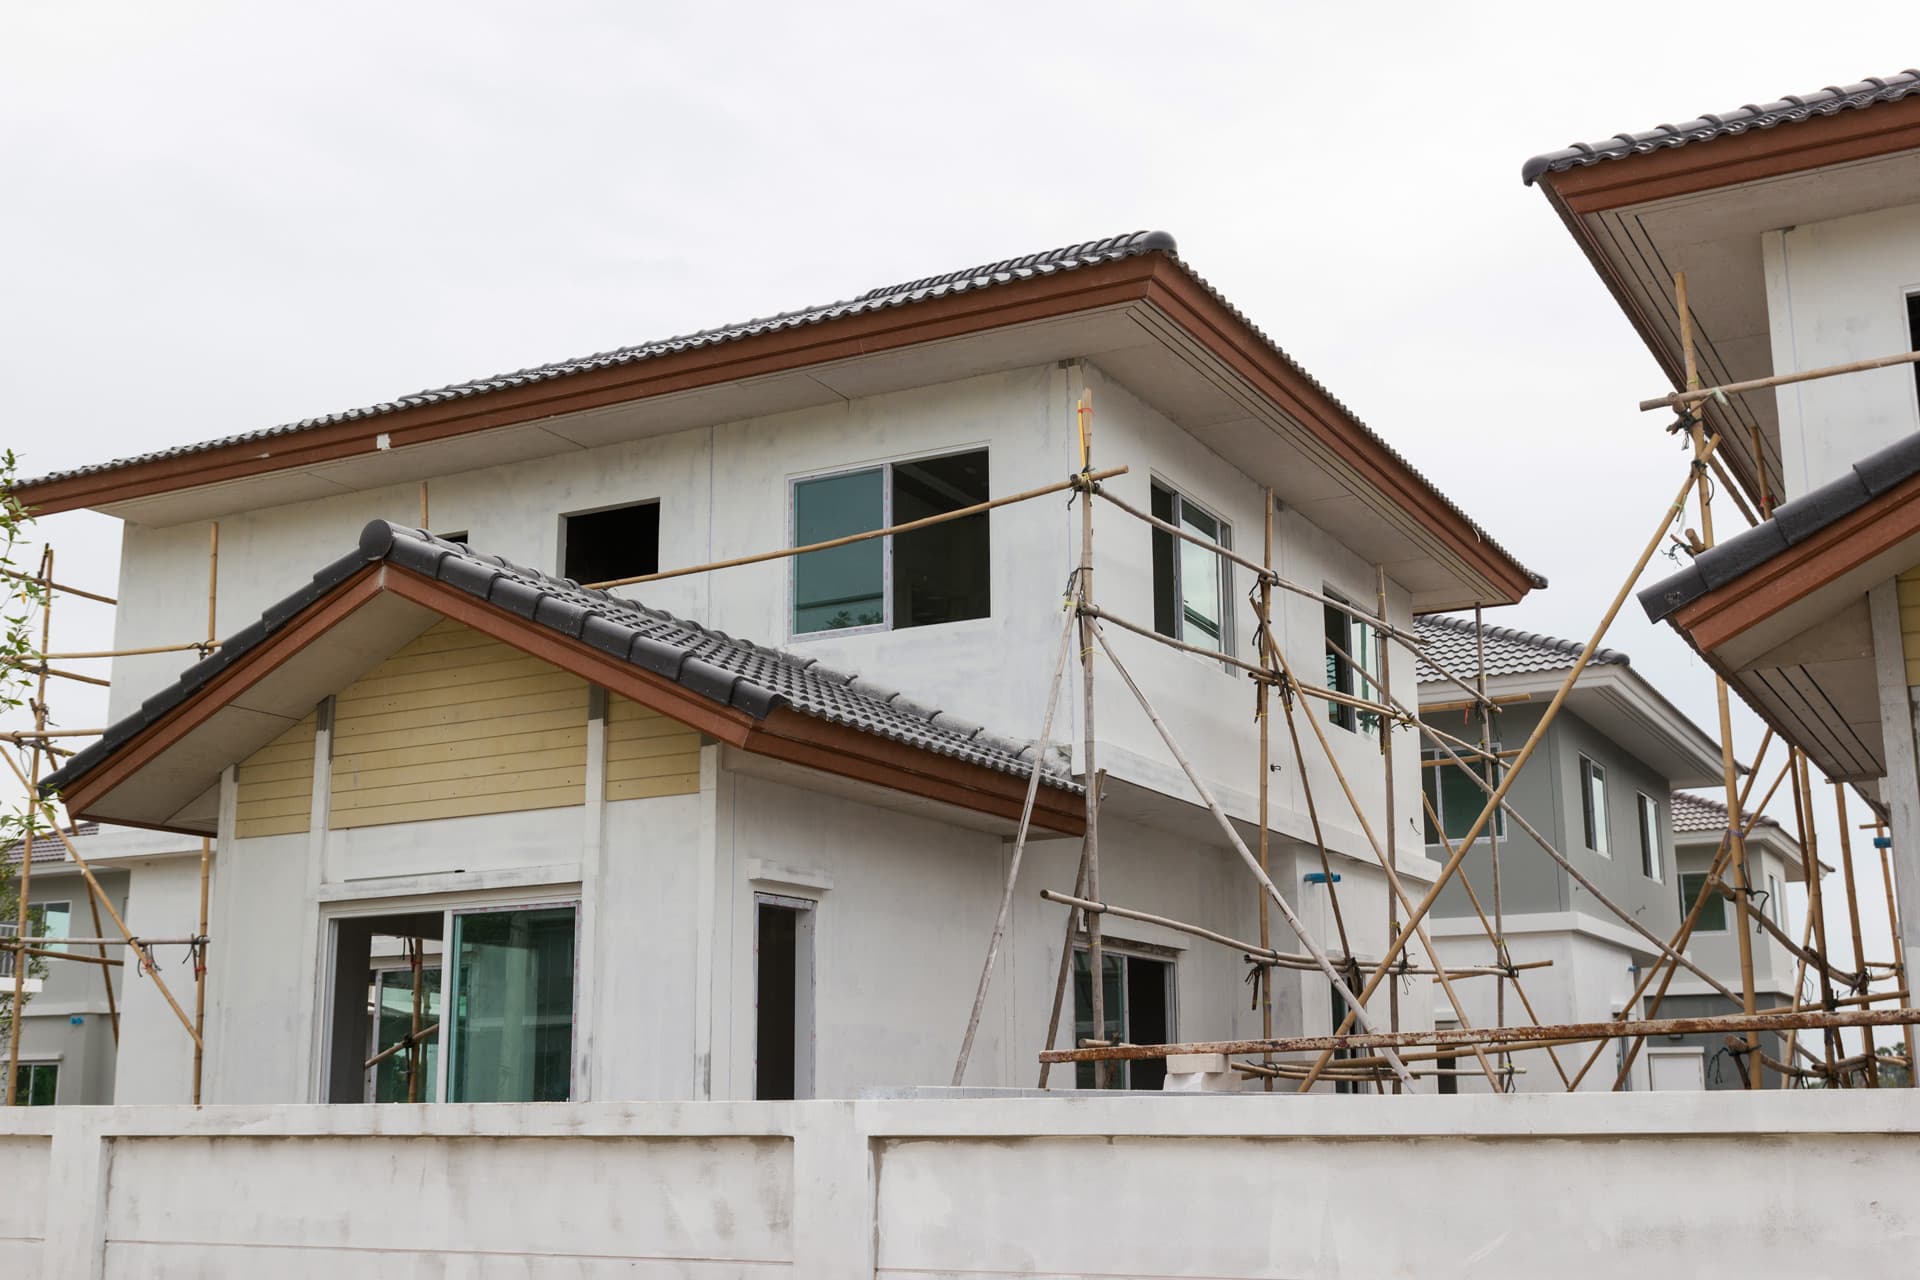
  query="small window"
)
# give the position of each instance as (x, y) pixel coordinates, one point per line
(1649, 836)
(915, 579)
(1350, 638)
(1776, 902)
(1191, 585)
(619, 542)
(1593, 807)
(783, 998)
(1456, 797)
(1138, 996)
(36, 1084)
(1713, 913)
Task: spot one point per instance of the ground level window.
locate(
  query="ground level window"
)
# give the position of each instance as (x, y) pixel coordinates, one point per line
(915, 579)
(1191, 585)
(1713, 913)
(1456, 796)
(1137, 992)
(619, 542)
(1353, 660)
(36, 1084)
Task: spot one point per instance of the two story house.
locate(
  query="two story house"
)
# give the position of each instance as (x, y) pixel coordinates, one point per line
(1603, 789)
(743, 832)
(1797, 226)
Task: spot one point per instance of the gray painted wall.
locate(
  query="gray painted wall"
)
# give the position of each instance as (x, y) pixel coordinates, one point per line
(69, 990)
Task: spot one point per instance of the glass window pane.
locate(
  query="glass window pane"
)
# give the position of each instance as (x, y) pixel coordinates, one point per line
(1462, 799)
(942, 574)
(1200, 603)
(54, 920)
(1114, 1011)
(1166, 577)
(844, 586)
(393, 1013)
(513, 1006)
(1430, 783)
(1713, 915)
(36, 1084)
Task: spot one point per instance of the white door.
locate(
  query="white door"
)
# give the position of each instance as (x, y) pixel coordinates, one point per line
(1680, 1069)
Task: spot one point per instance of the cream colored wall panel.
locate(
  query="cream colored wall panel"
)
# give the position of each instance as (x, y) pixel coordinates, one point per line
(276, 784)
(679, 784)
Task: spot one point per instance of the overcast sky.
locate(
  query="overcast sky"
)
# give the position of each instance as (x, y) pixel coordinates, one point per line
(220, 217)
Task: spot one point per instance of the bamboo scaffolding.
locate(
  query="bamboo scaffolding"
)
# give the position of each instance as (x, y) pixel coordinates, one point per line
(1899, 947)
(201, 646)
(1816, 926)
(1672, 510)
(927, 522)
(1519, 1037)
(1696, 394)
(206, 845)
(51, 585)
(1262, 707)
(1083, 594)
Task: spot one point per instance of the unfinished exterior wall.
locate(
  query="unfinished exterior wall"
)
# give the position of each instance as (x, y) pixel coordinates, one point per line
(1581, 1187)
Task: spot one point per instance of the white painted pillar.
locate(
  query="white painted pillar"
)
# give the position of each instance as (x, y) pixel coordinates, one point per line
(74, 1245)
(1900, 789)
(833, 1191)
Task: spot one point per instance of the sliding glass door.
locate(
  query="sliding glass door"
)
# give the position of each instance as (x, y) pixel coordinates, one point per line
(510, 1033)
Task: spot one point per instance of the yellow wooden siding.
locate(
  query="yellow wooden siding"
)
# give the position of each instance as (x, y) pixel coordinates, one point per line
(1908, 586)
(276, 785)
(649, 754)
(457, 724)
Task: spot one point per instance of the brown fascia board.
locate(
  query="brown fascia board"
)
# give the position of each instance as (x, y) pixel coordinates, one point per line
(1747, 157)
(1155, 279)
(786, 734)
(1720, 615)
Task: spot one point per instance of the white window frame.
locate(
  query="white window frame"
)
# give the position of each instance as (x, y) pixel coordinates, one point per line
(1133, 951)
(1225, 543)
(1648, 810)
(1686, 905)
(805, 984)
(1499, 823)
(885, 467)
(1600, 838)
(449, 906)
(380, 972)
(1366, 683)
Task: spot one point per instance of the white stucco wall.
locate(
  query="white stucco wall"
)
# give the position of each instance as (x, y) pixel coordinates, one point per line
(1836, 292)
(1249, 1186)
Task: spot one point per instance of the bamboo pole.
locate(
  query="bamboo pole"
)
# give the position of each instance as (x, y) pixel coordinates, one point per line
(1463, 1038)
(44, 734)
(1695, 394)
(1383, 689)
(1673, 509)
(51, 585)
(1743, 884)
(42, 670)
(1816, 901)
(1019, 848)
(926, 522)
(206, 845)
(1262, 705)
(1355, 1006)
(1066, 953)
(94, 886)
(1899, 948)
(1853, 914)
(1083, 584)
(200, 645)
(1499, 933)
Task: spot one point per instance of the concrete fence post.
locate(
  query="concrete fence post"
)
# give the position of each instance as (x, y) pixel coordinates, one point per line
(75, 1244)
(833, 1192)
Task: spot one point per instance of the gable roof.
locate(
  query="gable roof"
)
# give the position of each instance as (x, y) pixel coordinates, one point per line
(1509, 652)
(1082, 274)
(1791, 109)
(721, 671)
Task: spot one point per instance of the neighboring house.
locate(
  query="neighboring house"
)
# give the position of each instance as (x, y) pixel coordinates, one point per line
(67, 1038)
(1774, 861)
(1600, 787)
(1797, 225)
(658, 861)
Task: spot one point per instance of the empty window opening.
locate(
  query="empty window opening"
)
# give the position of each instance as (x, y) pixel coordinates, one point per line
(1713, 913)
(1445, 1079)
(36, 1084)
(1191, 585)
(783, 998)
(1137, 996)
(1593, 807)
(915, 579)
(373, 1009)
(620, 542)
(1353, 660)
(1649, 836)
(1457, 797)
(1913, 331)
(1337, 1013)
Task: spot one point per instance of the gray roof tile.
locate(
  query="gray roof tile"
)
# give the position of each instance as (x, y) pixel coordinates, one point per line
(1509, 652)
(1694, 814)
(727, 671)
(1789, 110)
(47, 847)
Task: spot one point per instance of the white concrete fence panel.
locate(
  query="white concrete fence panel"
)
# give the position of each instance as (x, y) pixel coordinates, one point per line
(1083, 1187)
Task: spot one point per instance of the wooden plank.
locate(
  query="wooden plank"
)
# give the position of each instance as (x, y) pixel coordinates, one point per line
(573, 700)
(679, 784)
(428, 775)
(651, 726)
(438, 673)
(626, 711)
(401, 752)
(460, 807)
(276, 787)
(679, 744)
(566, 719)
(656, 767)
(251, 773)
(549, 681)
(252, 828)
(457, 788)
(276, 806)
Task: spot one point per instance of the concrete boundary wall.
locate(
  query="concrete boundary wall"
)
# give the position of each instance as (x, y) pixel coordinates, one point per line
(1075, 1186)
